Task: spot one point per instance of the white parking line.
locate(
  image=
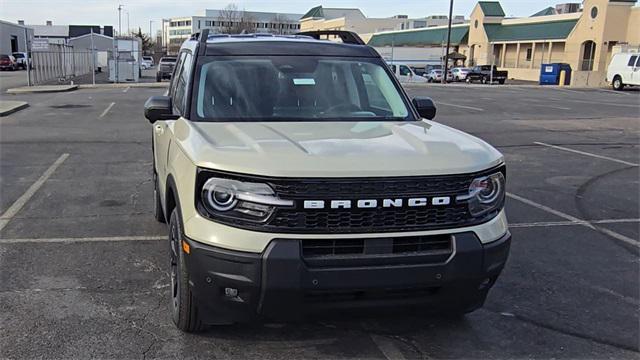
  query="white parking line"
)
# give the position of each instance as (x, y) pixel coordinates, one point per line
(572, 223)
(460, 106)
(126, 89)
(107, 109)
(387, 347)
(586, 153)
(550, 106)
(22, 200)
(575, 220)
(82, 239)
(603, 103)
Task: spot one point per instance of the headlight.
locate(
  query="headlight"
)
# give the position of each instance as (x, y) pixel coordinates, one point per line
(486, 194)
(236, 199)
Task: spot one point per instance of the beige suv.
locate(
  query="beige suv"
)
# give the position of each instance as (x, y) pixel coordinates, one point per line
(297, 177)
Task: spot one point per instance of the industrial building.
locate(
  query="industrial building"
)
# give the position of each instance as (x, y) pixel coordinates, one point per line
(584, 37)
(60, 34)
(13, 37)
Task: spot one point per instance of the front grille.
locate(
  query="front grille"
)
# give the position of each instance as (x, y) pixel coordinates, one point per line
(432, 249)
(359, 220)
(326, 248)
(298, 220)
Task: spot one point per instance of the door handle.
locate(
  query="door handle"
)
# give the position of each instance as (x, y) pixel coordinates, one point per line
(159, 129)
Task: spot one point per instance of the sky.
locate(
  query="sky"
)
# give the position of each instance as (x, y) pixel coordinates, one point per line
(104, 12)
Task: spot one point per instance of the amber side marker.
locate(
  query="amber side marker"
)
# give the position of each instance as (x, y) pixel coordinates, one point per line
(185, 247)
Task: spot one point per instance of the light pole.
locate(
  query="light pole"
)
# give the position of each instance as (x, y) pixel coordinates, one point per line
(446, 55)
(116, 53)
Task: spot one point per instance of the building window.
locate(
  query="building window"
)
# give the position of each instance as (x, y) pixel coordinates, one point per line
(475, 24)
(588, 55)
(594, 12)
(529, 54)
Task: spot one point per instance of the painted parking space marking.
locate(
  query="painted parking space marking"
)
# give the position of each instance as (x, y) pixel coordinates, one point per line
(575, 220)
(460, 106)
(572, 223)
(585, 153)
(604, 103)
(107, 110)
(126, 89)
(387, 347)
(22, 200)
(71, 240)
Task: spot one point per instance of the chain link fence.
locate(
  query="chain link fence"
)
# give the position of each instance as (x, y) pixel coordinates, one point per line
(64, 64)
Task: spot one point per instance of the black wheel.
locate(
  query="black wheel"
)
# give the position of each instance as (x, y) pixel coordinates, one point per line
(484, 80)
(617, 83)
(158, 78)
(501, 82)
(184, 311)
(158, 212)
(468, 80)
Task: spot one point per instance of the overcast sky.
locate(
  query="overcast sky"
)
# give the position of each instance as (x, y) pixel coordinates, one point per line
(104, 12)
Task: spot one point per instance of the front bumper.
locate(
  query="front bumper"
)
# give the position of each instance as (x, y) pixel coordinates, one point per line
(279, 283)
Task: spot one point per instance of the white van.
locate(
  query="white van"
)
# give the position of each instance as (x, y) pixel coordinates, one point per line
(624, 69)
(404, 73)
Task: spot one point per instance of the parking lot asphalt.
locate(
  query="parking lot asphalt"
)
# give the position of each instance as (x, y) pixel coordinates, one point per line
(84, 267)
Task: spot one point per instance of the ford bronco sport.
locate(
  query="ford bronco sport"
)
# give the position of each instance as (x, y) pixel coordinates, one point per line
(296, 176)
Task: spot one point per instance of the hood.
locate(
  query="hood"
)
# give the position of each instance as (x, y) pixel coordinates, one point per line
(334, 149)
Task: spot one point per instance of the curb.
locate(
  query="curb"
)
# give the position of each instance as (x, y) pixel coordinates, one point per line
(12, 106)
(154, 85)
(42, 89)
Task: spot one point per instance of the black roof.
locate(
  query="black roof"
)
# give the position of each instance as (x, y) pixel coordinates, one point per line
(267, 44)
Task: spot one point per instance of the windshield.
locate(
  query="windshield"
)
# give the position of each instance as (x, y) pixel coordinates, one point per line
(276, 88)
(169, 60)
(18, 55)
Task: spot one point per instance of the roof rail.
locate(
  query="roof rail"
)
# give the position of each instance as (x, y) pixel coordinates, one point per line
(347, 37)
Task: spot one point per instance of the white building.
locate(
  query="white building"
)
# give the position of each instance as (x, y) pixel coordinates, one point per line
(177, 30)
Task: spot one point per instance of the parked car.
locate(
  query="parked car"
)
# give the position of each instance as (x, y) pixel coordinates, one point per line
(165, 68)
(148, 60)
(271, 215)
(145, 65)
(420, 71)
(486, 73)
(405, 74)
(435, 75)
(8, 62)
(22, 59)
(460, 73)
(623, 70)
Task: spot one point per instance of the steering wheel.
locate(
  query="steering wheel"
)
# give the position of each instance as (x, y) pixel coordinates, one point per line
(345, 106)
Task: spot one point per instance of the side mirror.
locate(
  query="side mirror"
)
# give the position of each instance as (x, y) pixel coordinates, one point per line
(158, 108)
(425, 106)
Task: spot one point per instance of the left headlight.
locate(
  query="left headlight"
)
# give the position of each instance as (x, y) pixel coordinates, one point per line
(234, 199)
(486, 194)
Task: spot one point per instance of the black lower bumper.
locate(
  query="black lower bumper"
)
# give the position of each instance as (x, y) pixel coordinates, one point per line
(233, 286)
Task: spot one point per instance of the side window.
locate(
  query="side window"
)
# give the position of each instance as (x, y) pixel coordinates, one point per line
(404, 70)
(632, 60)
(638, 62)
(182, 81)
(393, 69)
(176, 72)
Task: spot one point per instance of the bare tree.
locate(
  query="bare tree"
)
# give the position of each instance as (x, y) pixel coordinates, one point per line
(236, 21)
(278, 20)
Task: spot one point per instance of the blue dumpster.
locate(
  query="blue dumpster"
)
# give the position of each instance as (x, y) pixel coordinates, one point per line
(550, 74)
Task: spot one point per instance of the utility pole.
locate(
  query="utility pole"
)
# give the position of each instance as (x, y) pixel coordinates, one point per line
(93, 60)
(446, 55)
(28, 57)
(117, 50)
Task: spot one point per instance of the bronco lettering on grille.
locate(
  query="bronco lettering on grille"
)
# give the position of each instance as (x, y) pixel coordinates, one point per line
(374, 203)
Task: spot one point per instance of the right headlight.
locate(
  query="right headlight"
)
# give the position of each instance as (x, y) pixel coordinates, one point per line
(485, 195)
(232, 199)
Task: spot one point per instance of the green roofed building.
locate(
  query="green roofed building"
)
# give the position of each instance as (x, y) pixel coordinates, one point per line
(583, 38)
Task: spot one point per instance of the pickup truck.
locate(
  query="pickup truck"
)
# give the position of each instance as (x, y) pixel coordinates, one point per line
(482, 73)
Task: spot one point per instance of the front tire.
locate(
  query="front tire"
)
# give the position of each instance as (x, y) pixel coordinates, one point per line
(617, 83)
(184, 310)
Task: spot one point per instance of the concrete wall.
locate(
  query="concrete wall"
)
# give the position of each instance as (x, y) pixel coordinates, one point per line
(7, 31)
